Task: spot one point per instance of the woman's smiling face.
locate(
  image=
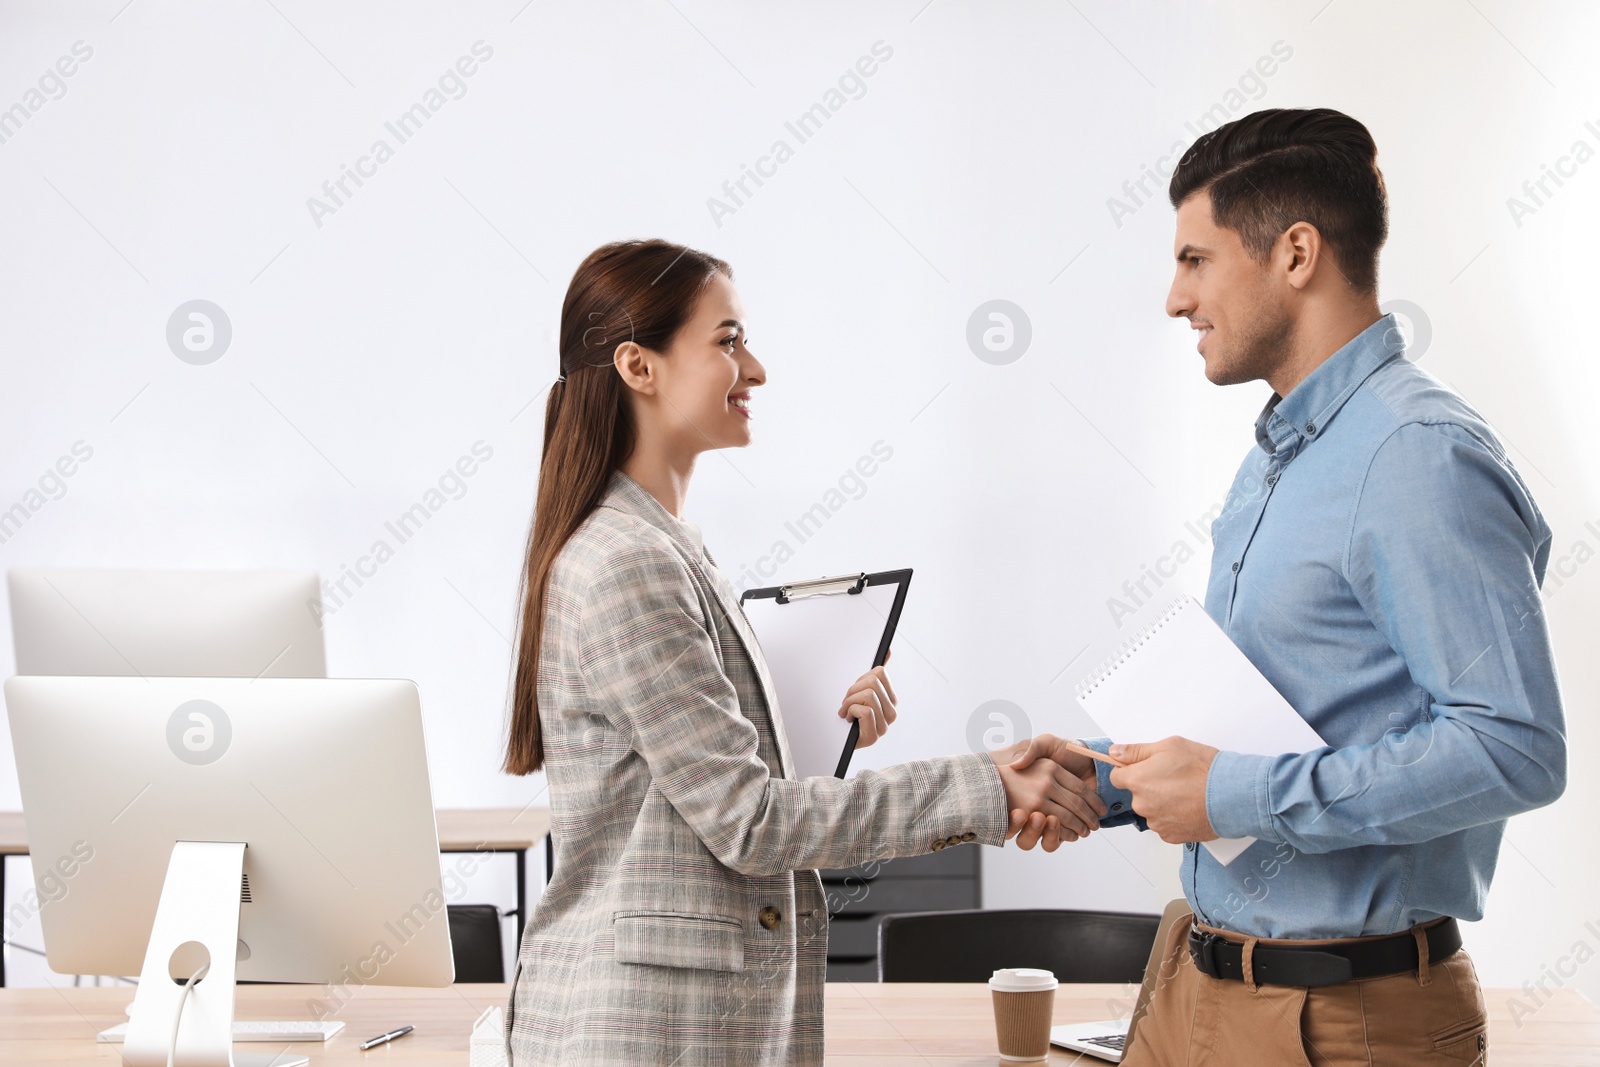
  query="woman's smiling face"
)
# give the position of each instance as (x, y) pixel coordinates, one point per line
(706, 380)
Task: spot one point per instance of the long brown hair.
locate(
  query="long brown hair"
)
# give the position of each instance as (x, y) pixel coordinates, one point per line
(641, 291)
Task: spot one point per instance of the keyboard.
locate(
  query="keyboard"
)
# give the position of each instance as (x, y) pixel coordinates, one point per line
(1104, 1040)
(257, 1030)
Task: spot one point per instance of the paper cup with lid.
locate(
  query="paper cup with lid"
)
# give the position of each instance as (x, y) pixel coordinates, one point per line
(1024, 1001)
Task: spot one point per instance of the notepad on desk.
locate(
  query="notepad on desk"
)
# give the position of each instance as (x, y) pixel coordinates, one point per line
(1182, 676)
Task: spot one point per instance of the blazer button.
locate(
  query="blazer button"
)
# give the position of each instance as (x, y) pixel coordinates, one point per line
(953, 839)
(770, 917)
(969, 836)
(939, 844)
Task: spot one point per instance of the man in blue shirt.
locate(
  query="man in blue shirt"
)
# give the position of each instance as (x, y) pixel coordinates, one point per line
(1379, 560)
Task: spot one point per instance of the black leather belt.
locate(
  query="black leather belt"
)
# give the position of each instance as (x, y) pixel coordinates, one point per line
(1320, 965)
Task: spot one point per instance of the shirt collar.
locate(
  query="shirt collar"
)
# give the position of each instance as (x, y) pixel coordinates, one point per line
(628, 496)
(1288, 421)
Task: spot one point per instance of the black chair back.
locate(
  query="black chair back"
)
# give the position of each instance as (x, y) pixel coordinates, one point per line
(475, 942)
(969, 946)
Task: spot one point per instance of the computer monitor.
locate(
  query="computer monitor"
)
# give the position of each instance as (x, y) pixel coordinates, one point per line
(166, 623)
(286, 825)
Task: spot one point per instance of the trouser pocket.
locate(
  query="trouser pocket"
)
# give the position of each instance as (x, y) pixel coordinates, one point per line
(1397, 1021)
(1466, 1042)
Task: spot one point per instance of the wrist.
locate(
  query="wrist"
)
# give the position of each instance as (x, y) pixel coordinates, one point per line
(1119, 802)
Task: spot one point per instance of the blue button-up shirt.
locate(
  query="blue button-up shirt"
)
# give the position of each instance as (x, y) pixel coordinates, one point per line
(1378, 559)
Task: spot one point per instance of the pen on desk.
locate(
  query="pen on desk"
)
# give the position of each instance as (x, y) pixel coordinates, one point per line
(383, 1039)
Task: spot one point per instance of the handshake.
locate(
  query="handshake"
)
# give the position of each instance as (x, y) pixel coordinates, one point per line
(1050, 792)
(1051, 789)
(1050, 784)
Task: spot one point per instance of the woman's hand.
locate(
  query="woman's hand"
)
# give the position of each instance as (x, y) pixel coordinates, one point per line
(1037, 828)
(1047, 801)
(871, 703)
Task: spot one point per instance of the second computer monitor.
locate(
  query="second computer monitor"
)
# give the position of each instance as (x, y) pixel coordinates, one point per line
(167, 623)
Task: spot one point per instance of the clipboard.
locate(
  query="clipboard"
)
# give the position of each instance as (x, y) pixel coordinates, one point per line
(818, 637)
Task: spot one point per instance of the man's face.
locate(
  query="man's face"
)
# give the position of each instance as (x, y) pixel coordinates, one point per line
(1237, 303)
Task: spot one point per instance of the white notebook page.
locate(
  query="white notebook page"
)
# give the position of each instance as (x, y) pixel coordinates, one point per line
(1182, 676)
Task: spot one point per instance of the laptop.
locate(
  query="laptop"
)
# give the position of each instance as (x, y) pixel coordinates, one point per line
(1106, 1039)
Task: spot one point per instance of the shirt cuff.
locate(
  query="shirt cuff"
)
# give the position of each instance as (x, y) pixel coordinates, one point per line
(1119, 802)
(1237, 803)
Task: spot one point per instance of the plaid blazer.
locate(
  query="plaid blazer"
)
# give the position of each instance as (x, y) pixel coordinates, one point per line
(685, 923)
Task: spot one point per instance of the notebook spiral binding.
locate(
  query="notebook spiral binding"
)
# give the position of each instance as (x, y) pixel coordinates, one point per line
(1128, 647)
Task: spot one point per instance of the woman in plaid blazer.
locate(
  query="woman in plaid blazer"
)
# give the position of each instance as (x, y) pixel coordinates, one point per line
(685, 923)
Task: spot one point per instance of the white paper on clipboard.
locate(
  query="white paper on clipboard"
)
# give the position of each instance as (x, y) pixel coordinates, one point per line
(816, 647)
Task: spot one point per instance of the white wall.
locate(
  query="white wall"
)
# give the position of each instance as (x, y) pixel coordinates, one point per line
(375, 345)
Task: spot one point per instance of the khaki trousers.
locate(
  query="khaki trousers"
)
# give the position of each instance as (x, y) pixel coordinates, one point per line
(1434, 1015)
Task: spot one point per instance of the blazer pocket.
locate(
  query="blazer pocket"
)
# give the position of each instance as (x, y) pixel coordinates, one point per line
(679, 939)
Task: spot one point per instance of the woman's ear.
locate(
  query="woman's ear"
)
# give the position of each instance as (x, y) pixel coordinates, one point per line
(633, 363)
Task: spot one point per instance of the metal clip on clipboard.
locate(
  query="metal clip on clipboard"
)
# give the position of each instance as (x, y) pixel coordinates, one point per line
(845, 583)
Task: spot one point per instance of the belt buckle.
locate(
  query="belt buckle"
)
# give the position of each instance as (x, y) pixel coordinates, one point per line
(1203, 950)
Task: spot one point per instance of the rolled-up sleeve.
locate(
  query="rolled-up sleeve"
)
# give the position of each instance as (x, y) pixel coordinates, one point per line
(1445, 552)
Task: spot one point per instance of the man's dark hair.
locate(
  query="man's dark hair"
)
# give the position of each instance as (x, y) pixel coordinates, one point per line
(1271, 169)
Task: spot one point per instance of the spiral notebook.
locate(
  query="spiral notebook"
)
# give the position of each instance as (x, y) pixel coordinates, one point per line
(1181, 675)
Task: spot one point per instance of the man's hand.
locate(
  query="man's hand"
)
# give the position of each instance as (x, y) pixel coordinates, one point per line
(1035, 827)
(1168, 783)
(1046, 800)
(870, 702)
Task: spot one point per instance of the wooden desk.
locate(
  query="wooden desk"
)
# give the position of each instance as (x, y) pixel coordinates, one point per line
(13, 834)
(513, 830)
(460, 829)
(868, 1024)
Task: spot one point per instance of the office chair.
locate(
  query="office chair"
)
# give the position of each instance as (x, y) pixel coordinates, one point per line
(969, 946)
(475, 942)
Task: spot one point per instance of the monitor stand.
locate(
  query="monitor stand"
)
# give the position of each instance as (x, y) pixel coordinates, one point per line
(199, 903)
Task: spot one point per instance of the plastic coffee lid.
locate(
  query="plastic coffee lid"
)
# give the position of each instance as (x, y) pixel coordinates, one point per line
(1022, 980)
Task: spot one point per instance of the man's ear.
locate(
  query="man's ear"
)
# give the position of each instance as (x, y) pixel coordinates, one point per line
(1302, 249)
(634, 365)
